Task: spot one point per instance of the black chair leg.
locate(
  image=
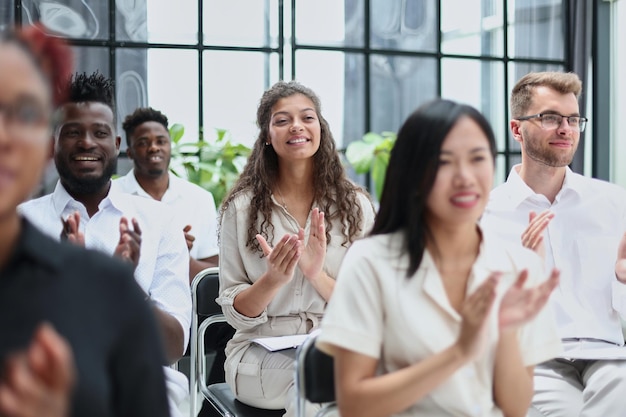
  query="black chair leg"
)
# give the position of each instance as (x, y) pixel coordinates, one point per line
(208, 410)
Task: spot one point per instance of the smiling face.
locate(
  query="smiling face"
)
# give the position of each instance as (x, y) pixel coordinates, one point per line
(548, 147)
(86, 147)
(25, 109)
(150, 149)
(294, 130)
(464, 177)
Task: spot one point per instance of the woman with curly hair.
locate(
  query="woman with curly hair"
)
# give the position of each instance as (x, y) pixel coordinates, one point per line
(285, 227)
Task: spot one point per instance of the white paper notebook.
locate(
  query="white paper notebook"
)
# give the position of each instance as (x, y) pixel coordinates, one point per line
(281, 342)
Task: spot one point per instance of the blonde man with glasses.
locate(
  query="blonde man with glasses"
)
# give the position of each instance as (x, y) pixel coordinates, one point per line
(577, 224)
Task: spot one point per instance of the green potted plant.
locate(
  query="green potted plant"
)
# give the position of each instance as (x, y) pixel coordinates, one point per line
(214, 166)
(371, 155)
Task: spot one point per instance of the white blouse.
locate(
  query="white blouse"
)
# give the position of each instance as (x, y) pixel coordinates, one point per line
(376, 310)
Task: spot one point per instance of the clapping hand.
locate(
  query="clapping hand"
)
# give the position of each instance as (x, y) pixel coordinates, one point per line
(532, 238)
(474, 313)
(283, 258)
(39, 381)
(71, 231)
(620, 264)
(312, 259)
(519, 305)
(189, 238)
(129, 245)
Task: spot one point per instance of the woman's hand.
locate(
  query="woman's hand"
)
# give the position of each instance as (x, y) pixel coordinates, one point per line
(283, 258)
(474, 313)
(39, 381)
(312, 260)
(519, 305)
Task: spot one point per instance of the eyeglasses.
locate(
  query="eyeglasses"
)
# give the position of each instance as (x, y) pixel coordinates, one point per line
(24, 119)
(553, 121)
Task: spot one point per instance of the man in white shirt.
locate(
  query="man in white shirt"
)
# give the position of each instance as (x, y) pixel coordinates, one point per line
(87, 209)
(150, 148)
(578, 224)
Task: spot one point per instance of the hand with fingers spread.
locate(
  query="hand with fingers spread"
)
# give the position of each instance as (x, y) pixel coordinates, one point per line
(620, 264)
(312, 260)
(475, 310)
(283, 258)
(39, 381)
(129, 245)
(189, 238)
(71, 231)
(519, 305)
(532, 238)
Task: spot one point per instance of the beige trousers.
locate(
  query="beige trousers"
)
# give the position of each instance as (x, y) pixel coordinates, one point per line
(267, 380)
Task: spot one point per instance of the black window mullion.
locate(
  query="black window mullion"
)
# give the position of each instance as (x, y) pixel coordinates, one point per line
(200, 48)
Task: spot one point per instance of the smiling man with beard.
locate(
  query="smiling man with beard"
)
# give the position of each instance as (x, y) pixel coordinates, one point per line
(87, 209)
(578, 224)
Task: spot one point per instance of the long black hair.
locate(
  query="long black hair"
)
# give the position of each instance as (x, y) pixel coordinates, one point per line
(412, 170)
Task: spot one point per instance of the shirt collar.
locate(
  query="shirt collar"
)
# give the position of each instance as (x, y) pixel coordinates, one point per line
(518, 191)
(133, 187)
(573, 182)
(62, 201)
(491, 256)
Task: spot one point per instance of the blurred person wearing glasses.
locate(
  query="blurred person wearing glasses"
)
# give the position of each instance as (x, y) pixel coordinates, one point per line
(577, 224)
(76, 336)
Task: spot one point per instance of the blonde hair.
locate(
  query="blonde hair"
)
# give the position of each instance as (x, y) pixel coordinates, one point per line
(522, 94)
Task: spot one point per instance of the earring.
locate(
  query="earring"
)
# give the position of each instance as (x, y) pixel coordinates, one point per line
(267, 143)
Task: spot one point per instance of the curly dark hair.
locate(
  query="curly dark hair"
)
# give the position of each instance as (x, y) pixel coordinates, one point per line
(139, 116)
(94, 87)
(335, 193)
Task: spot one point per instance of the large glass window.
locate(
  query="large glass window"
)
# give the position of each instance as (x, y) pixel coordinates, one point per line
(205, 63)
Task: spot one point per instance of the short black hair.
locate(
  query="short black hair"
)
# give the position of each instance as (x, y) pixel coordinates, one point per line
(139, 116)
(94, 87)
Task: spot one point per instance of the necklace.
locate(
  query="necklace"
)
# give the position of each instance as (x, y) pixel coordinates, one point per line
(281, 197)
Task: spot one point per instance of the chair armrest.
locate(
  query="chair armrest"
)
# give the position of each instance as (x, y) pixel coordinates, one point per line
(201, 372)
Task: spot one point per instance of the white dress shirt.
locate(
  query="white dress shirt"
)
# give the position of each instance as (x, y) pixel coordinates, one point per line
(192, 204)
(163, 268)
(377, 311)
(582, 241)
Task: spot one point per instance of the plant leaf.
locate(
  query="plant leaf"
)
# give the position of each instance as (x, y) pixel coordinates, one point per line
(359, 154)
(379, 171)
(372, 137)
(176, 132)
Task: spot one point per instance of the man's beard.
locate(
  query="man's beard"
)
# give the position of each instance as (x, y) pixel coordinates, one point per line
(156, 173)
(85, 185)
(545, 155)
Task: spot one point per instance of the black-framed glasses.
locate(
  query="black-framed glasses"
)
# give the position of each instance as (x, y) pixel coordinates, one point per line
(553, 120)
